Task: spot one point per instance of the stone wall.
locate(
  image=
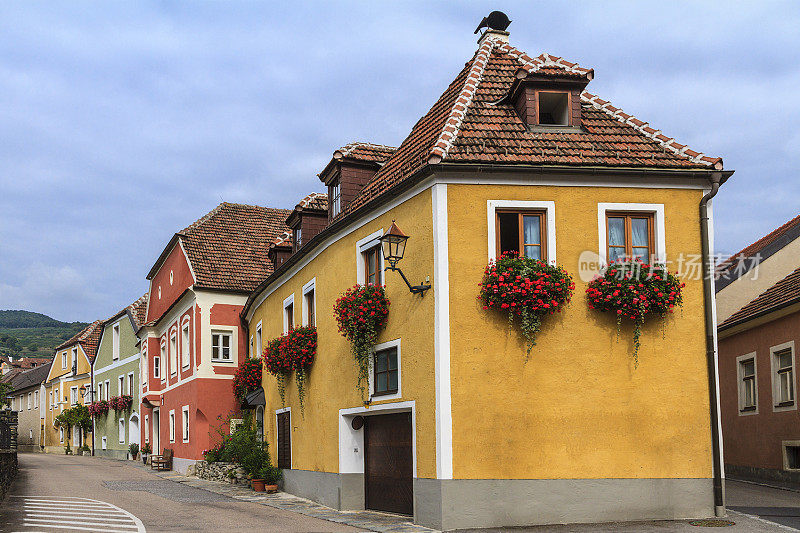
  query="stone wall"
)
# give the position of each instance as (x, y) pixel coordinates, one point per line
(8, 453)
(221, 472)
(8, 470)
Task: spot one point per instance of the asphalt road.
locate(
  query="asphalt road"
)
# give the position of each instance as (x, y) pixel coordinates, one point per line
(93, 494)
(780, 506)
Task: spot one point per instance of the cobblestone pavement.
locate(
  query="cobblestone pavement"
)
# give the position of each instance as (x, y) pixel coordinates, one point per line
(369, 520)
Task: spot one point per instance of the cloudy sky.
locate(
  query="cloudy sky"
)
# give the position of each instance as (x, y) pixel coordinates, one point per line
(122, 123)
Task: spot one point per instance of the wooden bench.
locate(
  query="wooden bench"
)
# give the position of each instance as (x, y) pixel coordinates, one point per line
(162, 462)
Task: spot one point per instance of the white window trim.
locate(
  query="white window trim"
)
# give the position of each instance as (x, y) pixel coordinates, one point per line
(234, 341)
(740, 383)
(172, 347)
(362, 245)
(774, 377)
(657, 210)
(121, 425)
(75, 358)
(108, 389)
(785, 455)
(185, 351)
(120, 385)
(35, 399)
(289, 300)
(291, 440)
(164, 359)
(157, 367)
(131, 384)
(171, 422)
(73, 397)
(115, 340)
(258, 341)
(61, 435)
(308, 287)
(550, 214)
(185, 423)
(383, 346)
(64, 360)
(146, 428)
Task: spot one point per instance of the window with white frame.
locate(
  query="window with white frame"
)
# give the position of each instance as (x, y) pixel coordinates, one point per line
(288, 313)
(107, 389)
(120, 385)
(310, 303)
(221, 346)
(522, 227)
(631, 230)
(61, 435)
(145, 367)
(172, 425)
(185, 342)
(147, 428)
(36, 399)
(100, 391)
(336, 198)
(384, 378)
(130, 384)
(185, 422)
(104, 443)
(63, 359)
(73, 395)
(173, 354)
(156, 367)
(56, 396)
(258, 348)
(29, 400)
(783, 376)
(748, 383)
(121, 430)
(164, 355)
(115, 339)
(75, 359)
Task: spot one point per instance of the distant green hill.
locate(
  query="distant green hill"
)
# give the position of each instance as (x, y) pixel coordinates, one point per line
(29, 334)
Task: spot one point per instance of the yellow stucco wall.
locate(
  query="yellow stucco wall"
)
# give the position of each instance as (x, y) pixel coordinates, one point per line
(577, 408)
(332, 381)
(82, 378)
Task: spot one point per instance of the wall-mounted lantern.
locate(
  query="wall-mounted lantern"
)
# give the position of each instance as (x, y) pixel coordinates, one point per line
(394, 246)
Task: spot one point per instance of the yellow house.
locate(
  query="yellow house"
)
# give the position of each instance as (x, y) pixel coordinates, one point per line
(460, 429)
(70, 370)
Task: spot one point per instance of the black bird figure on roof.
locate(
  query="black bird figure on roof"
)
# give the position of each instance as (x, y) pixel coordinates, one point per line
(497, 20)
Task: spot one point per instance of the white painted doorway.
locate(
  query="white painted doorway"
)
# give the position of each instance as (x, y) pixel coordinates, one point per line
(133, 429)
(156, 431)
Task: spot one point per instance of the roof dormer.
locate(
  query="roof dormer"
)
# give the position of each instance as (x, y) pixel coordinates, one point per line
(309, 217)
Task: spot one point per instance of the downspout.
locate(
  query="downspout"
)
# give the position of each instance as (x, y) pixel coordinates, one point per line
(91, 400)
(708, 297)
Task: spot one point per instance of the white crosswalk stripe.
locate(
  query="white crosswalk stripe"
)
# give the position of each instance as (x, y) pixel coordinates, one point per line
(58, 514)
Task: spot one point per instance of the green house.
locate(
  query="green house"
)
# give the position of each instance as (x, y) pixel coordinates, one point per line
(115, 374)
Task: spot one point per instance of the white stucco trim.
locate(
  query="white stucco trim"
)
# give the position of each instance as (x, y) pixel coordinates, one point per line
(441, 341)
(739, 395)
(550, 213)
(774, 375)
(659, 231)
(362, 245)
(371, 376)
(351, 441)
(188, 261)
(289, 300)
(308, 287)
(116, 364)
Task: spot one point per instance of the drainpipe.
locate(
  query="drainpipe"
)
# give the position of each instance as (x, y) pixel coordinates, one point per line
(708, 294)
(91, 399)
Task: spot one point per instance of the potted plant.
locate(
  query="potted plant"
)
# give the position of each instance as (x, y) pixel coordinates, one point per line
(79, 450)
(67, 449)
(258, 483)
(86, 449)
(272, 475)
(145, 452)
(134, 450)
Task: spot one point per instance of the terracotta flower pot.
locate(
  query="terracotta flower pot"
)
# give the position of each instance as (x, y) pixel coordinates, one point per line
(271, 488)
(258, 485)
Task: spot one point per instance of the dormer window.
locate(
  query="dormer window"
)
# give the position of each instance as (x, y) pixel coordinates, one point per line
(336, 198)
(553, 108)
(298, 238)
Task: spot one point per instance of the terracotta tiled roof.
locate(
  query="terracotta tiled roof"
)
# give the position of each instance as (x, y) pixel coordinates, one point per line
(785, 292)
(315, 200)
(227, 247)
(362, 151)
(138, 311)
(471, 124)
(88, 338)
(284, 239)
(757, 247)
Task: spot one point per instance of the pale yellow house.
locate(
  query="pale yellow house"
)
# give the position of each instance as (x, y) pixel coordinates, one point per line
(70, 371)
(458, 429)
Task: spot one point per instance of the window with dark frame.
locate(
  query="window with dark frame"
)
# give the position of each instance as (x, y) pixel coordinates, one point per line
(385, 372)
(792, 457)
(554, 108)
(335, 194)
(372, 266)
(309, 296)
(747, 368)
(785, 375)
(284, 440)
(629, 236)
(289, 313)
(522, 232)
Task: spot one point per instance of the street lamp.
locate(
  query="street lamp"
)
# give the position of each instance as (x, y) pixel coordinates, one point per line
(394, 246)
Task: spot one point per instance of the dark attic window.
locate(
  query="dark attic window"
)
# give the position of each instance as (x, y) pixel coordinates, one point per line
(553, 109)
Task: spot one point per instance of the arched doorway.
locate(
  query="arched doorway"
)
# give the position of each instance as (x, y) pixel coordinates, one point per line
(133, 429)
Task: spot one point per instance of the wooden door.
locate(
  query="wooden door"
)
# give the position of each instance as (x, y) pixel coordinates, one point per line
(284, 440)
(388, 463)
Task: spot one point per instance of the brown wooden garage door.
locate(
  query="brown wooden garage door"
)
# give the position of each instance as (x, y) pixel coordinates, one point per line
(388, 463)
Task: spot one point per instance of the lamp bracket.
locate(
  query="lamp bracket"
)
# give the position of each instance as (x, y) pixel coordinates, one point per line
(415, 289)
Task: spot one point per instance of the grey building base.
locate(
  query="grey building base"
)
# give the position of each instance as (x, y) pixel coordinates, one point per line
(482, 503)
(121, 455)
(755, 473)
(181, 465)
(29, 448)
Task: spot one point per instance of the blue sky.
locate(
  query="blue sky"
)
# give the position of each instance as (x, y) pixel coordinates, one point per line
(121, 123)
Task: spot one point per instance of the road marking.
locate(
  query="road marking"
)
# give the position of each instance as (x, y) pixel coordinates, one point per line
(42, 514)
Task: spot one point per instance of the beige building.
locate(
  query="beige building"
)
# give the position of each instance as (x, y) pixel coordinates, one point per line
(756, 268)
(27, 399)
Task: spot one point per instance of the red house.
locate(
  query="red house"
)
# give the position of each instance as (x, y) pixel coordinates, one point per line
(193, 340)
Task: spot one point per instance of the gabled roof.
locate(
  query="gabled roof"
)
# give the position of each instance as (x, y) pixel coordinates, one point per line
(315, 200)
(362, 153)
(284, 239)
(29, 378)
(88, 338)
(138, 312)
(470, 123)
(226, 248)
(763, 247)
(784, 293)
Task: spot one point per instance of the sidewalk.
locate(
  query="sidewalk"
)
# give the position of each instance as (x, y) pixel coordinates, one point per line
(384, 522)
